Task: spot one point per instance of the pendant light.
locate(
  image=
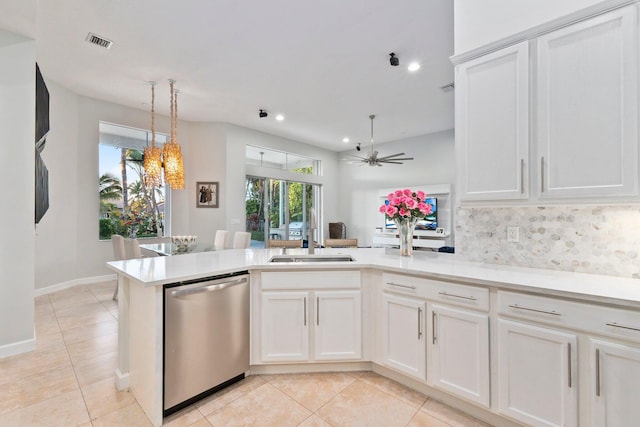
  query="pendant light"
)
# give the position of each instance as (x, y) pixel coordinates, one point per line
(173, 162)
(152, 154)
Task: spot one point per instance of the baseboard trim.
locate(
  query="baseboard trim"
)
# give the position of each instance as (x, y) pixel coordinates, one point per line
(17, 348)
(75, 282)
(122, 380)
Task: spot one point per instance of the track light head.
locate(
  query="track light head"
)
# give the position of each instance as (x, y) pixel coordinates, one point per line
(358, 148)
(394, 61)
(262, 114)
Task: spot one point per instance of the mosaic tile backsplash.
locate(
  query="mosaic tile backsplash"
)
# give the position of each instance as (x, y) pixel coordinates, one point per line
(586, 239)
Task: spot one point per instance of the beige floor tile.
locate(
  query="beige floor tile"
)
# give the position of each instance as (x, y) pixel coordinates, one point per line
(129, 416)
(311, 390)
(75, 296)
(96, 369)
(229, 394)
(42, 300)
(64, 410)
(35, 362)
(314, 421)
(103, 291)
(361, 404)
(422, 419)
(49, 341)
(407, 395)
(449, 415)
(45, 324)
(184, 418)
(201, 423)
(92, 347)
(37, 388)
(43, 308)
(71, 322)
(102, 398)
(264, 406)
(81, 333)
(80, 309)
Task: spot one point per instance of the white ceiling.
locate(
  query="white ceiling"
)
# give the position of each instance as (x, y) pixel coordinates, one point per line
(324, 65)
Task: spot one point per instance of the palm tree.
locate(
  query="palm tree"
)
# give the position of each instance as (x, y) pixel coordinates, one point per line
(110, 189)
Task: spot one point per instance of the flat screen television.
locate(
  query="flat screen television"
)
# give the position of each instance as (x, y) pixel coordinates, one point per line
(429, 222)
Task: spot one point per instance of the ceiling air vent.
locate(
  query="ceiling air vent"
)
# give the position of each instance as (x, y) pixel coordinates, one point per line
(100, 41)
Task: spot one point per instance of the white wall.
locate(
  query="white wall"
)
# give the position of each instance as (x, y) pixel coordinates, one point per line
(358, 198)
(67, 244)
(477, 23)
(17, 151)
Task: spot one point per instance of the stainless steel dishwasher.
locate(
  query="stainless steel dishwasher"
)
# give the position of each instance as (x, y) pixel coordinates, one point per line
(206, 337)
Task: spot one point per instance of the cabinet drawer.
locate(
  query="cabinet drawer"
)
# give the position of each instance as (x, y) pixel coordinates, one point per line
(592, 318)
(324, 279)
(436, 290)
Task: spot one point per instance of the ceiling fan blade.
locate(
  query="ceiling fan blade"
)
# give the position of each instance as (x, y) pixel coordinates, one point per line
(397, 158)
(356, 156)
(392, 155)
(391, 162)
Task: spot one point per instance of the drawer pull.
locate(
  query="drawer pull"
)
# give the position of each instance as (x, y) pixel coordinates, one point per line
(401, 286)
(446, 294)
(519, 307)
(617, 325)
(419, 323)
(305, 311)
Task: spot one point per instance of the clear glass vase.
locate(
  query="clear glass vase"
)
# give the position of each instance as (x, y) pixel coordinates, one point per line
(405, 234)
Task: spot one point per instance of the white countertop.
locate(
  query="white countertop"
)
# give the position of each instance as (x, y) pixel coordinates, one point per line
(155, 271)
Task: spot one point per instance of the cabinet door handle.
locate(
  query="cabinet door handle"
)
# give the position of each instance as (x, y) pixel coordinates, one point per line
(419, 323)
(519, 307)
(318, 311)
(569, 361)
(521, 176)
(433, 327)
(400, 286)
(446, 294)
(542, 174)
(305, 311)
(597, 372)
(617, 325)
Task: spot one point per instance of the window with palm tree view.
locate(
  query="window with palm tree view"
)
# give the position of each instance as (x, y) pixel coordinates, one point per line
(127, 205)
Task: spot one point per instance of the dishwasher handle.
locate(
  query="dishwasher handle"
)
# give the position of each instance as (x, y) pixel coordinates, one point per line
(208, 288)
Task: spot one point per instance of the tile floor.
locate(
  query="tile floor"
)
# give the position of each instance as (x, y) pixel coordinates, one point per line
(68, 381)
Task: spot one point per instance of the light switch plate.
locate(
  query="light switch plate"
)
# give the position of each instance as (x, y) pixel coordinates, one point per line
(513, 234)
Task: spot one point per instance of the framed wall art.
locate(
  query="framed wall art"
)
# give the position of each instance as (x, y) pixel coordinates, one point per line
(207, 194)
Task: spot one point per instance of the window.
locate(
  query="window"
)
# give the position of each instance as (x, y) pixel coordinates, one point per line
(127, 206)
(267, 158)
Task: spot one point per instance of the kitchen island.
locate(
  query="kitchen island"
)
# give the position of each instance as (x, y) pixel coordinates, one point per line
(390, 294)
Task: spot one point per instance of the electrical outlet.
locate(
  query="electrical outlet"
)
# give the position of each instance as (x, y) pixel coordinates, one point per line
(513, 234)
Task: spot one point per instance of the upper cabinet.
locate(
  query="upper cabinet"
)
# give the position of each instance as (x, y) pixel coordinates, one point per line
(554, 117)
(492, 125)
(587, 107)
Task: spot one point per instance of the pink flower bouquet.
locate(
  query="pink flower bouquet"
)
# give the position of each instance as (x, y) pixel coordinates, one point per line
(405, 204)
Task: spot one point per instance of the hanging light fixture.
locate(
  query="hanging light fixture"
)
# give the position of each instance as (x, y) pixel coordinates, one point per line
(173, 162)
(153, 154)
(372, 159)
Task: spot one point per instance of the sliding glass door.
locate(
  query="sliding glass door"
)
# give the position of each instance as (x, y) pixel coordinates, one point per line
(280, 210)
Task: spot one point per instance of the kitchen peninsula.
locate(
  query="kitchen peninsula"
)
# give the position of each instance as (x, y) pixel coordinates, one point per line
(404, 318)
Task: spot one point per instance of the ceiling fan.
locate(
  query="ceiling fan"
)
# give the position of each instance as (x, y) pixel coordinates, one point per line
(372, 159)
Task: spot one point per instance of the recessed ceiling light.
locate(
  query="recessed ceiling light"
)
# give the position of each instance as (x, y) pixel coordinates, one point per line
(413, 67)
(345, 139)
(279, 117)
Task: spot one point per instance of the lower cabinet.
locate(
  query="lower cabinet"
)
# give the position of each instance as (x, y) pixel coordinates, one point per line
(536, 370)
(290, 318)
(614, 384)
(459, 362)
(403, 334)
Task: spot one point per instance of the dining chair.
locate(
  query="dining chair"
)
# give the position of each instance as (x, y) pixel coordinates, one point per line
(221, 239)
(132, 249)
(117, 241)
(241, 240)
(341, 243)
(284, 243)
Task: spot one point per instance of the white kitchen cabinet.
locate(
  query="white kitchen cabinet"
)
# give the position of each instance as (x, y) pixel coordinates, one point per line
(337, 328)
(307, 316)
(492, 125)
(459, 356)
(614, 384)
(587, 107)
(285, 326)
(536, 370)
(403, 334)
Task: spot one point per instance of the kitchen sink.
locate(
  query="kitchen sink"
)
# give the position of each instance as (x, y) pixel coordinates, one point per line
(311, 258)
